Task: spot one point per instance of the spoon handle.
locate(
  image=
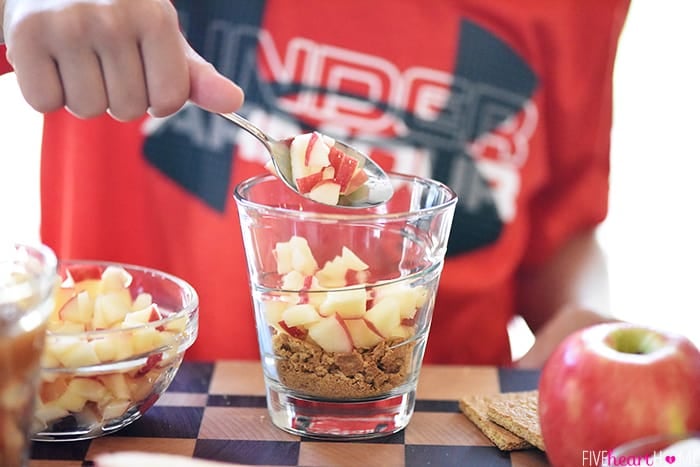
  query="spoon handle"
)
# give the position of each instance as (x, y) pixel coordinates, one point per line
(249, 127)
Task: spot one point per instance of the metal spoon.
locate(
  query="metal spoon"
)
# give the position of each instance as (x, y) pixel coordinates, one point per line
(376, 190)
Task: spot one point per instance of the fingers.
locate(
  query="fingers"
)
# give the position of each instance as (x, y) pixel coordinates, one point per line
(123, 74)
(209, 89)
(164, 62)
(39, 80)
(125, 57)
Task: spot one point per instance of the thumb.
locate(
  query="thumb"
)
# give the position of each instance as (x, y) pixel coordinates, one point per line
(209, 89)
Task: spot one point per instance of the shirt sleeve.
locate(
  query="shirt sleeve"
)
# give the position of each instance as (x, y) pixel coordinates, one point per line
(4, 65)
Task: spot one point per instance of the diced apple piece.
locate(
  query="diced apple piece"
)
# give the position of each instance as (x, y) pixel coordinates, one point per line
(333, 273)
(45, 413)
(113, 347)
(409, 298)
(83, 272)
(65, 327)
(61, 296)
(404, 332)
(105, 347)
(141, 386)
(314, 294)
(347, 304)
(115, 409)
(77, 309)
(272, 310)
(345, 167)
(177, 325)
(115, 278)
(295, 255)
(361, 335)
(328, 173)
(306, 184)
(331, 335)
(300, 315)
(302, 258)
(111, 308)
(352, 261)
(357, 180)
(91, 286)
(327, 192)
(384, 316)
(148, 339)
(116, 384)
(293, 280)
(70, 401)
(52, 390)
(88, 388)
(142, 301)
(124, 349)
(317, 151)
(49, 360)
(76, 354)
(283, 256)
(294, 331)
(297, 156)
(141, 317)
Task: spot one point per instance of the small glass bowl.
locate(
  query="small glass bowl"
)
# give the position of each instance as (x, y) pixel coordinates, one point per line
(98, 381)
(661, 450)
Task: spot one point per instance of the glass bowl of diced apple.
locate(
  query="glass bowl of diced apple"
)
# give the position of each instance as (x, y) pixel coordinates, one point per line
(115, 340)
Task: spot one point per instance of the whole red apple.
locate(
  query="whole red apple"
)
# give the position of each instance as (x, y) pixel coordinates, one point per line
(611, 383)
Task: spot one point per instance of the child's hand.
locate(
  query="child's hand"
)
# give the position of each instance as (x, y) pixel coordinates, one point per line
(124, 56)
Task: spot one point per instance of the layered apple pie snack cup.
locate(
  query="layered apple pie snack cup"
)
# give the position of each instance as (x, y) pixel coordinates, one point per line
(343, 302)
(27, 279)
(115, 338)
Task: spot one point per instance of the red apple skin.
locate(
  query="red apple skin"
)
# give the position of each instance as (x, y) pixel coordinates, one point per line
(305, 184)
(309, 147)
(357, 180)
(594, 398)
(344, 166)
(81, 272)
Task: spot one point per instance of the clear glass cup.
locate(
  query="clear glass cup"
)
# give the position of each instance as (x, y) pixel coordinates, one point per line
(343, 302)
(27, 280)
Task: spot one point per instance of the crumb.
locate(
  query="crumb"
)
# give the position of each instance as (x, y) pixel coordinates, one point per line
(305, 367)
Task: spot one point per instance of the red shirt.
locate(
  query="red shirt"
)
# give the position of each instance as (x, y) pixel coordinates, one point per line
(509, 102)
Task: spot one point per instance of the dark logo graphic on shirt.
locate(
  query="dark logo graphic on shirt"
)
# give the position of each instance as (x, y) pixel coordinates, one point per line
(461, 125)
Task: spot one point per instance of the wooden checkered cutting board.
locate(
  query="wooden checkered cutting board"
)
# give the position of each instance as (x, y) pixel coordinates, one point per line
(217, 411)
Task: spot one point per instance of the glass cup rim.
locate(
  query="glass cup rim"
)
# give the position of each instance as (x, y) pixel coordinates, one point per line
(47, 266)
(346, 214)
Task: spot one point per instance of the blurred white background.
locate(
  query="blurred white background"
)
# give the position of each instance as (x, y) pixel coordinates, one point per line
(652, 235)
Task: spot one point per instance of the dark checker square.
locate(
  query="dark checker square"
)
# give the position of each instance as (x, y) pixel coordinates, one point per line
(458, 456)
(512, 380)
(436, 406)
(248, 452)
(192, 377)
(65, 451)
(166, 422)
(221, 400)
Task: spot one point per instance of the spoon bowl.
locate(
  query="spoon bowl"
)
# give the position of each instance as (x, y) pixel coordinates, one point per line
(377, 189)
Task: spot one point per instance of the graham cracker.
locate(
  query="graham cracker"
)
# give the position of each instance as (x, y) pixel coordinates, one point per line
(517, 414)
(475, 407)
